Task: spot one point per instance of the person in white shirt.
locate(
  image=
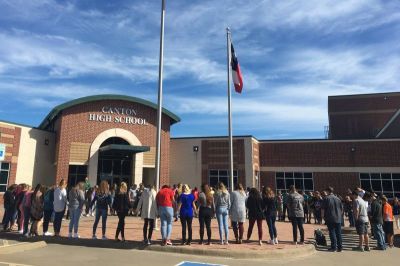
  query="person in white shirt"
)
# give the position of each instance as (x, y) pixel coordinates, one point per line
(59, 203)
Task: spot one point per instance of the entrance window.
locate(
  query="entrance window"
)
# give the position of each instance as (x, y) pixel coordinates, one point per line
(76, 174)
(115, 166)
(4, 175)
(216, 176)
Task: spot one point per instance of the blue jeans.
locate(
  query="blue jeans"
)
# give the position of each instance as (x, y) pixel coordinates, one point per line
(271, 226)
(9, 217)
(222, 218)
(379, 235)
(335, 234)
(46, 219)
(103, 214)
(74, 215)
(57, 221)
(166, 216)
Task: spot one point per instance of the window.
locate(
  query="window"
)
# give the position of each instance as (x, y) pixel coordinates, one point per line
(76, 174)
(216, 176)
(302, 181)
(4, 176)
(386, 183)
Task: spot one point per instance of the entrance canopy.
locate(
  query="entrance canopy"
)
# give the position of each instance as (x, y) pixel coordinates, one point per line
(124, 148)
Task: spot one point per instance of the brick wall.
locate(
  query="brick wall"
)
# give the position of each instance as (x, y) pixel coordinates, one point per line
(73, 125)
(215, 155)
(11, 136)
(339, 181)
(331, 154)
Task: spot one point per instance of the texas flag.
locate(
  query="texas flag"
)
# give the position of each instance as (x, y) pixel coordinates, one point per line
(236, 73)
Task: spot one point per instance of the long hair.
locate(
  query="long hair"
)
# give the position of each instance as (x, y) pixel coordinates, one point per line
(222, 188)
(239, 187)
(254, 193)
(104, 187)
(267, 192)
(123, 188)
(38, 189)
(62, 183)
(207, 191)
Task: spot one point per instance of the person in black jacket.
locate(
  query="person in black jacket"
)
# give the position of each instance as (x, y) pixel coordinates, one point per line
(255, 208)
(9, 207)
(121, 206)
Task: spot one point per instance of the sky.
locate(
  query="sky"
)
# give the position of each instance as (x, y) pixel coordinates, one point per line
(293, 55)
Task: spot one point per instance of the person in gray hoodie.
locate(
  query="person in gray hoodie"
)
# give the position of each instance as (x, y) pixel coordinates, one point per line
(295, 204)
(75, 206)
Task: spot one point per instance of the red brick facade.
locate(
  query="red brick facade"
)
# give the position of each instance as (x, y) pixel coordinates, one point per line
(330, 154)
(11, 136)
(215, 155)
(73, 125)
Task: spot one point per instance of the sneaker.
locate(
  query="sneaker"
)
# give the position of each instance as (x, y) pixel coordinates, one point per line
(367, 248)
(260, 242)
(26, 235)
(272, 242)
(361, 249)
(21, 232)
(168, 243)
(94, 237)
(332, 250)
(76, 236)
(69, 235)
(104, 238)
(222, 242)
(276, 241)
(48, 234)
(145, 242)
(148, 242)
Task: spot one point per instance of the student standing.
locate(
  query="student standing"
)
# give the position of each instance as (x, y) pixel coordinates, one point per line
(255, 209)
(222, 205)
(361, 221)
(26, 203)
(377, 222)
(396, 212)
(48, 209)
(270, 203)
(165, 203)
(296, 213)
(332, 211)
(9, 208)
(59, 204)
(121, 206)
(103, 202)
(206, 212)
(388, 221)
(148, 205)
(238, 212)
(37, 209)
(186, 208)
(75, 206)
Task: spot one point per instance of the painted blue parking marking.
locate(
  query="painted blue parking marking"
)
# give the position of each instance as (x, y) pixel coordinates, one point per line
(191, 263)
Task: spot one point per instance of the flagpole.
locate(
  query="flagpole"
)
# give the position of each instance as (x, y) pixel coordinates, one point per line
(160, 89)
(228, 51)
(159, 108)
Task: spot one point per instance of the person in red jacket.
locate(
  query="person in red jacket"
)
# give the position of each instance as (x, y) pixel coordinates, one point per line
(165, 203)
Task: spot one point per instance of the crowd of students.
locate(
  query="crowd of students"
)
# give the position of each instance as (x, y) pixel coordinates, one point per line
(25, 207)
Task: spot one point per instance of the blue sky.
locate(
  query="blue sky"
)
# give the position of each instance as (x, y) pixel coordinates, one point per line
(293, 54)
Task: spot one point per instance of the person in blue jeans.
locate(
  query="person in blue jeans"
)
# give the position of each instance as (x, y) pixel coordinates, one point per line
(332, 211)
(270, 203)
(222, 205)
(48, 211)
(103, 201)
(75, 205)
(165, 201)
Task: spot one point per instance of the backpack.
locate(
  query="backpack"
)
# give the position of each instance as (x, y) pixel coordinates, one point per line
(320, 238)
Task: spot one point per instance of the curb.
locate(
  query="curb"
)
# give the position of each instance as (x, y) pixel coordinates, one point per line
(300, 251)
(20, 247)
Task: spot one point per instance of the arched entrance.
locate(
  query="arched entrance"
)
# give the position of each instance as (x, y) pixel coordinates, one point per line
(115, 166)
(131, 143)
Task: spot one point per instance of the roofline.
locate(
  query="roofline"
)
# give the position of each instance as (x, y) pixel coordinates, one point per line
(364, 95)
(327, 140)
(16, 124)
(56, 110)
(215, 137)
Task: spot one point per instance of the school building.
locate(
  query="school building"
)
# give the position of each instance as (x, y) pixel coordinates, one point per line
(112, 137)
